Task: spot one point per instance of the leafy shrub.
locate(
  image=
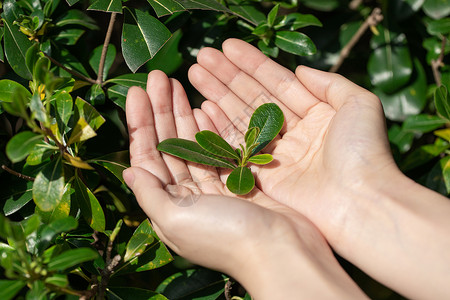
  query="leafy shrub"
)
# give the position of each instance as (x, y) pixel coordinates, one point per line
(70, 227)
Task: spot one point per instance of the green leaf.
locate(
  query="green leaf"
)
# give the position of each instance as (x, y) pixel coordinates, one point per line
(390, 65)
(61, 211)
(31, 56)
(89, 113)
(246, 10)
(107, 5)
(48, 186)
(409, 100)
(191, 151)
(270, 50)
(201, 284)
(437, 9)
(72, 2)
(400, 138)
(59, 280)
(439, 27)
(64, 106)
(129, 80)
(423, 123)
(16, 45)
(41, 69)
(142, 37)
(118, 94)
(169, 58)
(442, 102)
(445, 166)
(21, 145)
(50, 7)
(322, 5)
(71, 258)
(165, 7)
(76, 17)
(81, 132)
(251, 135)
(421, 156)
(215, 144)
(94, 60)
(69, 61)
(16, 200)
(2, 55)
(18, 107)
(295, 42)
(91, 209)
(261, 159)
(37, 108)
(272, 15)
(115, 162)
(95, 95)
(131, 293)
(241, 181)
(296, 21)
(141, 238)
(9, 90)
(69, 36)
(10, 288)
(269, 119)
(48, 232)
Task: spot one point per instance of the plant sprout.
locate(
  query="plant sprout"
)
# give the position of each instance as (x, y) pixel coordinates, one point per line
(211, 149)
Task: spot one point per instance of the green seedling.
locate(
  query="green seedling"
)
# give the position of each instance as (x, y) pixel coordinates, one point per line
(211, 149)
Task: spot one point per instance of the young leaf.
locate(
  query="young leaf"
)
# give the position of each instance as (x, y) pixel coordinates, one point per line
(89, 113)
(272, 15)
(71, 258)
(64, 106)
(269, 119)
(37, 108)
(241, 181)
(81, 132)
(261, 159)
(141, 238)
(48, 186)
(214, 143)
(250, 136)
(191, 151)
(21, 145)
(295, 42)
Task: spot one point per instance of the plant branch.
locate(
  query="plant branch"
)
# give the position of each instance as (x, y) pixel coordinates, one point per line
(437, 63)
(101, 65)
(372, 20)
(72, 72)
(20, 175)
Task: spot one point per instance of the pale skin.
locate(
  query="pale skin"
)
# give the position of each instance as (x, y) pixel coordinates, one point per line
(333, 169)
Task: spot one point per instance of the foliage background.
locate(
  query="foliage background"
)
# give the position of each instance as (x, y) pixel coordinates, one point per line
(70, 228)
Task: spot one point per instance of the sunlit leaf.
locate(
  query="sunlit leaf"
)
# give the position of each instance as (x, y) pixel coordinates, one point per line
(71, 258)
(215, 144)
(437, 8)
(140, 239)
(423, 123)
(241, 181)
(76, 17)
(17, 199)
(261, 159)
(89, 113)
(16, 45)
(91, 209)
(296, 21)
(61, 211)
(115, 162)
(107, 5)
(81, 132)
(271, 16)
(269, 119)
(21, 145)
(442, 102)
(9, 89)
(48, 186)
(37, 108)
(77, 162)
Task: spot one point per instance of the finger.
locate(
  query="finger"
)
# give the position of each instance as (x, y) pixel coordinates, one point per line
(187, 128)
(333, 88)
(143, 139)
(211, 88)
(203, 121)
(240, 83)
(160, 94)
(279, 81)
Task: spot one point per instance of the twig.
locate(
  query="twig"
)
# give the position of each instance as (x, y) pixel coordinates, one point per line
(227, 289)
(74, 73)
(101, 64)
(20, 175)
(374, 18)
(436, 63)
(106, 274)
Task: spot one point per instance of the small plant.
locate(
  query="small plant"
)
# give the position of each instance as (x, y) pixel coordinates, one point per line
(211, 149)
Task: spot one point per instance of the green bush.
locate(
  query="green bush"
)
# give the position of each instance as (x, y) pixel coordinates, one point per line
(71, 228)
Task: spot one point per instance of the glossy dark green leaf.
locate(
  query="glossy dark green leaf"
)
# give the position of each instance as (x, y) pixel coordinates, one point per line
(107, 5)
(296, 21)
(201, 284)
(48, 186)
(131, 293)
(129, 80)
(166, 7)
(21, 145)
(169, 58)
(72, 2)
(18, 107)
(390, 65)
(118, 94)
(10, 288)
(76, 17)
(437, 9)
(442, 102)
(423, 123)
(32, 56)
(247, 11)
(400, 138)
(295, 42)
(272, 15)
(192, 151)
(18, 199)
(141, 238)
(71, 258)
(64, 105)
(241, 181)
(11, 10)
(61, 211)
(69, 61)
(89, 113)
(409, 100)
(48, 232)
(16, 45)
(9, 88)
(421, 156)
(37, 108)
(261, 159)
(262, 29)
(94, 60)
(142, 37)
(50, 7)
(441, 26)
(91, 210)
(69, 36)
(204, 5)
(2, 55)
(115, 162)
(59, 280)
(269, 119)
(215, 144)
(96, 95)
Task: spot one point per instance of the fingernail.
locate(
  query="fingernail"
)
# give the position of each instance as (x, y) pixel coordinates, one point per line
(128, 176)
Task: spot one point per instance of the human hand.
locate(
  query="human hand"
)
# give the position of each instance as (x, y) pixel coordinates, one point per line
(193, 213)
(333, 164)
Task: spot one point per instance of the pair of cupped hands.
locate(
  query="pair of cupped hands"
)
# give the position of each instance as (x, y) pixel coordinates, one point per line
(332, 145)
